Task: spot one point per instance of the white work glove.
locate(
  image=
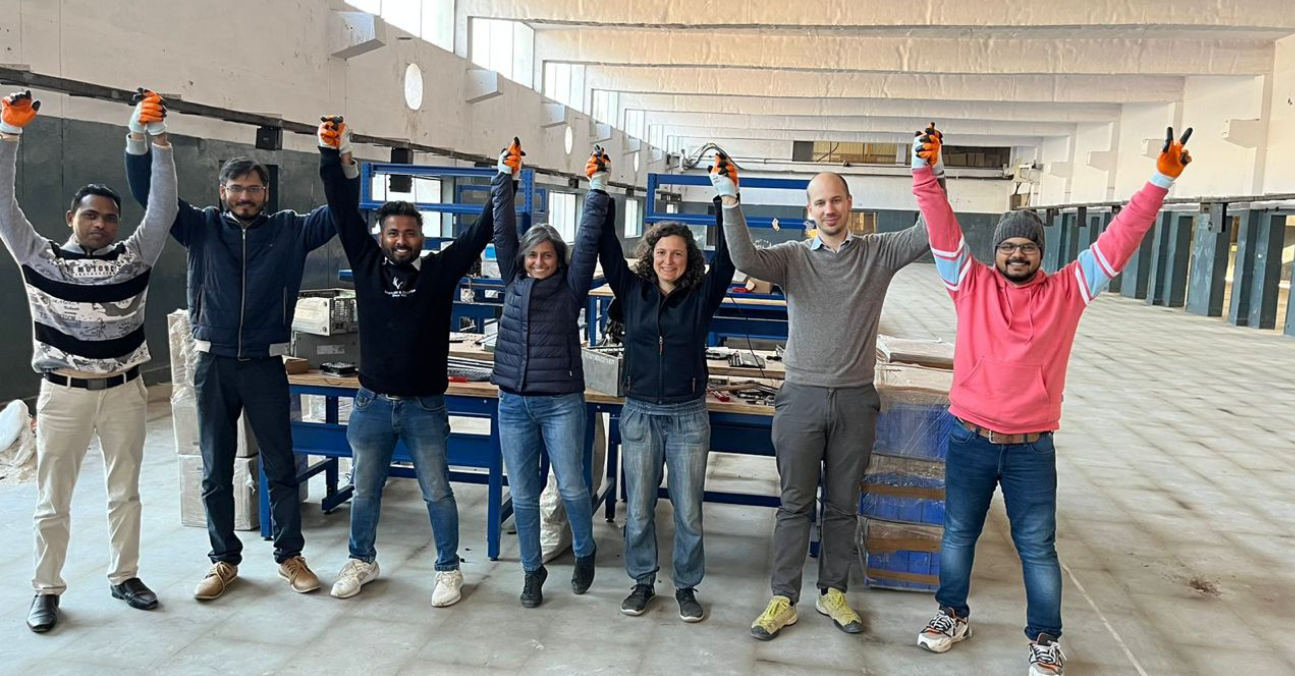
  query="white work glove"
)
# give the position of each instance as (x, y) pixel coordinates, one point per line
(723, 175)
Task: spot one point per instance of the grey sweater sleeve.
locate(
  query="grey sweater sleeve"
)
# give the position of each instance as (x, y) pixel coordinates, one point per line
(769, 265)
(906, 246)
(19, 236)
(149, 238)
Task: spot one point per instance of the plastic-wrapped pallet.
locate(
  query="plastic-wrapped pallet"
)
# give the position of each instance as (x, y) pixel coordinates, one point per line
(903, 489)
(184, 400)
(922, 352)
(914, 420)
(555, 529)
(247, 492)
(900, 556)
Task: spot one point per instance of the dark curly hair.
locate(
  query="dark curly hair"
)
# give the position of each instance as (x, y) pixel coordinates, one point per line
(692, 276)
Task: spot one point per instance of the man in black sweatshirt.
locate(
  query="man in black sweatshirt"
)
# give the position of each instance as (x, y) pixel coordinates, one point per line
(404, 302)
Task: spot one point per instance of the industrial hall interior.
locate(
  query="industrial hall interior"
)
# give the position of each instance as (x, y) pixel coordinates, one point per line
(647, 337)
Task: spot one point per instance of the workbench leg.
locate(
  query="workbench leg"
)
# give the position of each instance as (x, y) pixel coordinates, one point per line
(330, 482)
(613, 466)
(495, 493)
(264, 506)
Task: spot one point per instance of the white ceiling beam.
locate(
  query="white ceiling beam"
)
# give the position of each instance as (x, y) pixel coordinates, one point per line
(798, 51)
(878, 15)
(894, 125)
(852, 107)
(746, 82)
(692, 132)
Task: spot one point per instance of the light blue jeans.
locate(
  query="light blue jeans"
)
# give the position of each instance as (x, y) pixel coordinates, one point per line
(676, 437)
(528, 427)
(376, 424)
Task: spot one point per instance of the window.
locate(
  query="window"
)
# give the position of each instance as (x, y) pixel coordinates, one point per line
(839, 152)
(562, 214)
(977, 157)
(634, 126)
(426, 191)
(565, 83)
(633, 218)
(506, 47)
(605, 106)
(431, 20)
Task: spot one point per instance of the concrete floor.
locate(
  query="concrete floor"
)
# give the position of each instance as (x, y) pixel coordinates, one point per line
(1175, 530)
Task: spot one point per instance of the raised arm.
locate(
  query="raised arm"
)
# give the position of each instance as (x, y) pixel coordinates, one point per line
(503, 192)
(148, 120)
(615, 270)
(341, 177)
(1095, 266)
(952, 258)
(768, 264)
(16, 111)
(458, 257)
(716, 282)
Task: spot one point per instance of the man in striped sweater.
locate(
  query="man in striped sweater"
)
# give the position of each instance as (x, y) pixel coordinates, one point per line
(87, 299)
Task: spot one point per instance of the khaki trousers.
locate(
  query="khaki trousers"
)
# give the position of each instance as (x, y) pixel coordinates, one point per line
(67, 418)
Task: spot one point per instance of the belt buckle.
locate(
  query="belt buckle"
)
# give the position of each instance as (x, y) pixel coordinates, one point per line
(999, 437)
(95, 384)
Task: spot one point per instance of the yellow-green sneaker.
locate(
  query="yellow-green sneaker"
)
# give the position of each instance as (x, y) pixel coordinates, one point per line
(833, 604)
(780, 613)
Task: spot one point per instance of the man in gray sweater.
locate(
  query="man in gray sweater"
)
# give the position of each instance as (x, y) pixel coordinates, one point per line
(826, 410)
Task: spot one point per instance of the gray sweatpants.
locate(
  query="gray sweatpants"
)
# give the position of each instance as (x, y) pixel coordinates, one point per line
(827, 431)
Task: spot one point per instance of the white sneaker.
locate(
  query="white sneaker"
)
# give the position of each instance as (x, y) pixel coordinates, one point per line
(945, 629)
(1046, 658)
(448, 586)
(353, 576)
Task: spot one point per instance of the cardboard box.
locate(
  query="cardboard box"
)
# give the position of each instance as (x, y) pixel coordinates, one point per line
(295, 365)
(326, 312)
(247, 515)
(317, 350)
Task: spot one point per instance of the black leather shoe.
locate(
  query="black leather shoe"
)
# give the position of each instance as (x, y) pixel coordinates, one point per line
(583, 576)
(135, 593)
(43, 614)
(533, 588)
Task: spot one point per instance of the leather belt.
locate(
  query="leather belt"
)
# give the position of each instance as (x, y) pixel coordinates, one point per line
(999, 437)
(93, 383)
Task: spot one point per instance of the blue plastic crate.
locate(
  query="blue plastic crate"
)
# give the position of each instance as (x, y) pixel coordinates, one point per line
(900, 555)
(903, 489)
(914, 431)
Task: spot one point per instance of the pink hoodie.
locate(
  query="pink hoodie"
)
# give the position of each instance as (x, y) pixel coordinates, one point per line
(1013, 344)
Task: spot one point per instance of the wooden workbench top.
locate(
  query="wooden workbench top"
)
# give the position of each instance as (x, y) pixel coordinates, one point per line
(490, 391)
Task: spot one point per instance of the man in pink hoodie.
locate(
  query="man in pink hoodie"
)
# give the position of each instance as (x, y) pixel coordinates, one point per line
(1016, 327)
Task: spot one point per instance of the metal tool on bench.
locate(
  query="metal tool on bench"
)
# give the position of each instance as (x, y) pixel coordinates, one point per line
(339, 368)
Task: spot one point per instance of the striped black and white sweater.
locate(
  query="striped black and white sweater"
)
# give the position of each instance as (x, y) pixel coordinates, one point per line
(87, 308)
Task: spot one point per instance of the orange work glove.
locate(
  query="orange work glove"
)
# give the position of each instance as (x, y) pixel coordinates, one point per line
(334, 133)
(1173, 156)
(597, 169)
(17, 110)
(723, 175)
(149, 112)
(927, 147)
(510, 158)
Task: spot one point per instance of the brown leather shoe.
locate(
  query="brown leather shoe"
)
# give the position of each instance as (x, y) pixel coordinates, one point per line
(299, 575)
(218, 579)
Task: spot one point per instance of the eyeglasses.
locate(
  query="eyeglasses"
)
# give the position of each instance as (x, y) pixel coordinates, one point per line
(249, 190)
(1028, 249)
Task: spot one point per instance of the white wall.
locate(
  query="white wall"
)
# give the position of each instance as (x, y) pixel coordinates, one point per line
(273, 57)
(1220, 167)
(1279, 176)
(1093, 142)
(1140, 122)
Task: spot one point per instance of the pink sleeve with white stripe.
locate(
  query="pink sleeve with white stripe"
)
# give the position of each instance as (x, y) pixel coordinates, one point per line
(952, 258)
(1099, 263)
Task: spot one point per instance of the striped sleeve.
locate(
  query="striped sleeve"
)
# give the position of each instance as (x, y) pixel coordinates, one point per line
(953, 266)
(1099, 263)
(1093, 272)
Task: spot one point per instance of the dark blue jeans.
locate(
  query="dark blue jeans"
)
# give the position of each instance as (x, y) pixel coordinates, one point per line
(226, 387)
(529, 425)
(376, 424)
(1028, 475)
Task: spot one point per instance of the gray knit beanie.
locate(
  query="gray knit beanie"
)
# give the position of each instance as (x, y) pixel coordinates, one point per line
(1021, 223)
